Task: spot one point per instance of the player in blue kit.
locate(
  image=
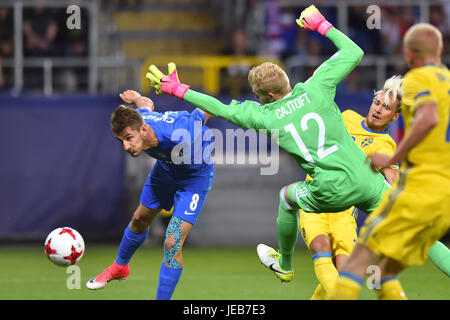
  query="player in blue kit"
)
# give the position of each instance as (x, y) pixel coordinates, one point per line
(181, 178)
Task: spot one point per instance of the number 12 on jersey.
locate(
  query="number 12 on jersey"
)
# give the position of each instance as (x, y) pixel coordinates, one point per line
(321, 152)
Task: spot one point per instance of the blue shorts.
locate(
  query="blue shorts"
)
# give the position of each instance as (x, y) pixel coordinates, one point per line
(185, 192)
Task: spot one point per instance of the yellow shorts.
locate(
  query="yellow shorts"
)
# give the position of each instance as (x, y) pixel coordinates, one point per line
(411, 217)
(339, 227)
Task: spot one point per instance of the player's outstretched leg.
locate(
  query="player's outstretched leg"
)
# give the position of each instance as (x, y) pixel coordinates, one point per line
(120, 269)
(287, 234)
(113, 272)
(133, 237)
(390, 287)
(287, 227)
(324, 268)
(271, 259)
(172, 265)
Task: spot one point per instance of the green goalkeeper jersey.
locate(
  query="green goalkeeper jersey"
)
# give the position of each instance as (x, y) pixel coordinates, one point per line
(309, 126)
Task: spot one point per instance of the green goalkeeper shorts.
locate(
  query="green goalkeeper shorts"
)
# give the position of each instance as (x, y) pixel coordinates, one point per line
(336, 197)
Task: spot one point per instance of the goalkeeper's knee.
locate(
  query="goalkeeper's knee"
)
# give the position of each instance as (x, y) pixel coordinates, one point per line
(285, 201)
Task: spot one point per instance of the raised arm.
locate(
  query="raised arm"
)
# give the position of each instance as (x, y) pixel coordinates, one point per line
(348, 56)
(133, 97)
(245, 114)
(425, 119)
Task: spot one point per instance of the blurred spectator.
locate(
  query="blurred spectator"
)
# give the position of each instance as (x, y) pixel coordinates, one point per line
(395, 22)
(40, 28)
(274, 36)
(6, 32)
(440, 18)
(6, 44)
(289, 29)
(446, 9)
(352, 83)
(235, 75)
(121, 4)
(314, 49)
(238, 45)
(255, 25)
(130, 4)
(291, 32)
(73, 43)
(390, 31)
(300, 46)
(406, 19)
(368, 39)
(2, 78)
(295, 55)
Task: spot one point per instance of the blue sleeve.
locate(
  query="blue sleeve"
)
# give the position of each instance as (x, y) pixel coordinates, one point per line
(198, 115)
(143, 111)
(245, 114)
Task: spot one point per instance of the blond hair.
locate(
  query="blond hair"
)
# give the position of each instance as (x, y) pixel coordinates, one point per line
(392, 88)
(424, 40)
(268, 77)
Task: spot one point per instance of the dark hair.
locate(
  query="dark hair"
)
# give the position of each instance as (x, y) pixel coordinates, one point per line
(124, 117)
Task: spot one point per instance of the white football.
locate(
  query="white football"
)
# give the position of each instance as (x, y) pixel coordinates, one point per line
(64, 246)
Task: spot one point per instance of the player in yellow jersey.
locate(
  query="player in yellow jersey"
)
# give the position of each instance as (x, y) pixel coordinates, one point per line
(416, 211)
(331, 237)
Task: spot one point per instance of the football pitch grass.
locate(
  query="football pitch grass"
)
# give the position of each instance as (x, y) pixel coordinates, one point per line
(208, 274)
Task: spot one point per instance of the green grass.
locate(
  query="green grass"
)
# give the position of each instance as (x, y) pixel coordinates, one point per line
(209, 274)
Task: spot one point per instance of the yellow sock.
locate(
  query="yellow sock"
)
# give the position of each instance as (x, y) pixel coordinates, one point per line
(347, 287)
(391, 289)
(319, 293)
(325, 270)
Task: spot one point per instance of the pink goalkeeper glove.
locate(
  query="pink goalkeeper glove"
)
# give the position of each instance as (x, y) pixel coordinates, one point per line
(167, 84)
(312, 19)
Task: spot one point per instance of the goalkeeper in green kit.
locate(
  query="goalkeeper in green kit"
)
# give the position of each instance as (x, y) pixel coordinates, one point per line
(310, 128)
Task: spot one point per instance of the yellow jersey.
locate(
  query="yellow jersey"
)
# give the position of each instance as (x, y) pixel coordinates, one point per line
(368, 140)
(416, 212)
(341, 227)
(429, 84)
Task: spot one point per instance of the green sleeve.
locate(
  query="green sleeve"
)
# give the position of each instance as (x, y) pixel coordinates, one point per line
(245, 114)
(338, 66)
(440, 255)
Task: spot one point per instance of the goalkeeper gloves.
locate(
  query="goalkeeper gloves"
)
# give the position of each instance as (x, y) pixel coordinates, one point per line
(312, 19)
(167, 84)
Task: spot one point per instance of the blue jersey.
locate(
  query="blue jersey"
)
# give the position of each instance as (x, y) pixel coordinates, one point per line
(183, 141)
